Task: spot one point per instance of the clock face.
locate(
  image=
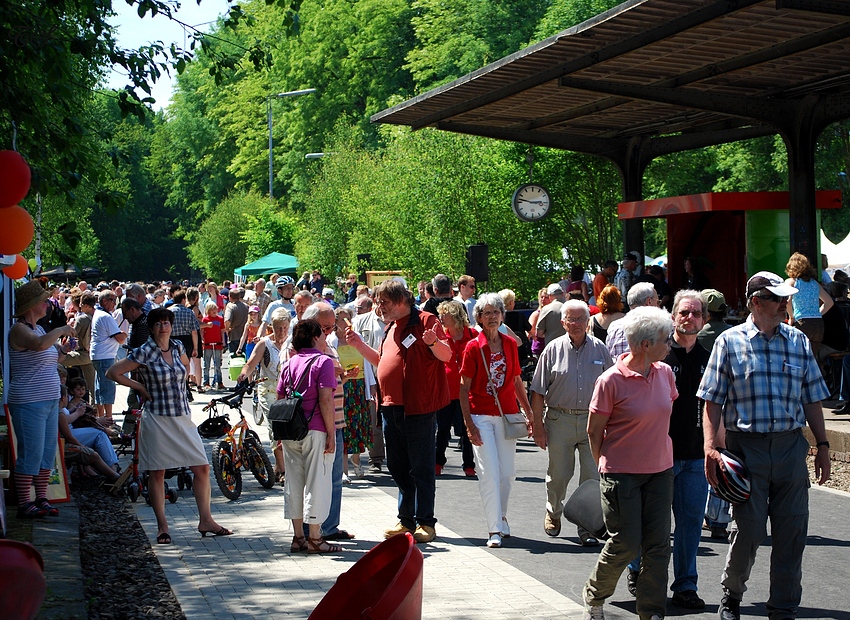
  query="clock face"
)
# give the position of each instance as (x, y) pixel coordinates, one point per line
(531, 202)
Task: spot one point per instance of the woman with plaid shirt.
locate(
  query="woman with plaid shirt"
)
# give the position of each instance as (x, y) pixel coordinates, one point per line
(168, 439)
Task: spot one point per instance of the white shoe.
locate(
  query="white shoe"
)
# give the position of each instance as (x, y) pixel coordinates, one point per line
(495, 541)
(346, 479)
(593, 613)
(656, 617)
(506, 528)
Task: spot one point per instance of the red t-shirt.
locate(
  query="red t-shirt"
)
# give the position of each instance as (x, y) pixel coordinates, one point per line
(212, 335)
(391, 368)
(481, 402)
(453, 365)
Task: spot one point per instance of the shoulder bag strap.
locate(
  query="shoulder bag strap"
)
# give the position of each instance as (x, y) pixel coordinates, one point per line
(490, 381)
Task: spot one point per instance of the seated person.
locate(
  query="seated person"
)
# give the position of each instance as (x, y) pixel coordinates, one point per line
(86, 430)
(78, 454)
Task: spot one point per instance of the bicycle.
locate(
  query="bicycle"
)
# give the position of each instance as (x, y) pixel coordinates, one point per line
(240, 448)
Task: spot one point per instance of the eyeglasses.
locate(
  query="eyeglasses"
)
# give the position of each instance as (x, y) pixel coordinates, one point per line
(772, 297)
(669, 339)
(489, 313)
(572, 319)
(697, 314)
(327, 329)
(160, 324)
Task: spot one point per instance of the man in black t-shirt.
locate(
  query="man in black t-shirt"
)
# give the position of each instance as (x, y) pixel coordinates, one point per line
(443, 292)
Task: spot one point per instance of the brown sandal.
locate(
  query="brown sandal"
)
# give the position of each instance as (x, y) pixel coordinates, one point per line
(320, 545)
(299, 544)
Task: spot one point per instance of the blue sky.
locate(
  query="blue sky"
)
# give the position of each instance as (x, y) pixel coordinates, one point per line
(134, 32)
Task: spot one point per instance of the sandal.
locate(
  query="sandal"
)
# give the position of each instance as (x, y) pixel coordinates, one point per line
(320, 545)
(299, 544)
(222, 531)
(163, 539)
(46, 507)
(116, 486)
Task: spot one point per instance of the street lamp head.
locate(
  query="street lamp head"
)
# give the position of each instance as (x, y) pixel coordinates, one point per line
(295, 93)
(314, 155)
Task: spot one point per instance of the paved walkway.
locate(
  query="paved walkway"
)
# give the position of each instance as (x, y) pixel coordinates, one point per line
(253, 573)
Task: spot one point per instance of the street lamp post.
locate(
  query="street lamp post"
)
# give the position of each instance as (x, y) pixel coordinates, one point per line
(291, 93)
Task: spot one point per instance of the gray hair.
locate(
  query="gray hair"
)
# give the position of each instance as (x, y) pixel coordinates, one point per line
(135, 290)
(575, 304)
(688, 294)
(104, 294)
(488, 299)
(646, 323)
(260, 281)
(320, 308)
(281, 315)
(306, 294)
(441, 284)
(639, 293)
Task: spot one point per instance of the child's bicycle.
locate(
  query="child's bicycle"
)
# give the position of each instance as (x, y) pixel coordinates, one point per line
(240, 448)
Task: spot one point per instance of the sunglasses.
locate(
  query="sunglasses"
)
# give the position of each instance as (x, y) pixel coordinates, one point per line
(771, 297)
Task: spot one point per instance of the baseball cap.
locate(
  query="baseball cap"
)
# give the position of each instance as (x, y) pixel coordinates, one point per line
(714, 300)
(554, 289)
(327, 291)
(254, 309)
(635, 256)
(770, 281)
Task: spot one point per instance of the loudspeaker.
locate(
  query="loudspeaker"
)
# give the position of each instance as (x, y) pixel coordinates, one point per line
(364, 264)
(478, 262)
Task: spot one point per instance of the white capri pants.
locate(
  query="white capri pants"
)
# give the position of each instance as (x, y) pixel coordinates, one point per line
(307, 490)
(496, 468)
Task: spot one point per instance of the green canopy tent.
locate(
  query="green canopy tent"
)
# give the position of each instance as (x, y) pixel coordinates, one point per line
(270, 263)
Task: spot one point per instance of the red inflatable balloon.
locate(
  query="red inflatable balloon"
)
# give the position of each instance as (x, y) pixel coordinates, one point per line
(16, 230)
(18, 270)
(14, 178)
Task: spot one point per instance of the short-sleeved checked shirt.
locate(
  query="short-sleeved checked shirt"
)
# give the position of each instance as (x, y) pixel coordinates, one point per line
(762, 384)
(616, 340)
(185, 321)
(166, 384)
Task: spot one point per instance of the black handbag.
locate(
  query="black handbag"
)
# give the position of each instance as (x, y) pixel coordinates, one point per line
(287, 417)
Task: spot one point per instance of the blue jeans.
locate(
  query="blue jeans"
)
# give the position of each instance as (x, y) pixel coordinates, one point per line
(36, 427)
(411, 457)
(689, 493)
(214, 356)
(104, 389)
(331, 524)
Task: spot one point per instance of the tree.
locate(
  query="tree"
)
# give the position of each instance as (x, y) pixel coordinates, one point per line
(219, 247)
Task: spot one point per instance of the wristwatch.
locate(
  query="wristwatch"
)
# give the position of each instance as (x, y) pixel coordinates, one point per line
(823, 443)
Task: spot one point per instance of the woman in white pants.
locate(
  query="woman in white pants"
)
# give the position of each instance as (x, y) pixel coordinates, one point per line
(489, 370)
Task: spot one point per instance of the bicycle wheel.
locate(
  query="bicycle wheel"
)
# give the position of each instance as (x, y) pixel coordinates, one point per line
(228, 477)
(259, 463)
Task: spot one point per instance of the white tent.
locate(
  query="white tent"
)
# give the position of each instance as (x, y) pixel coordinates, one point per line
(838, 255)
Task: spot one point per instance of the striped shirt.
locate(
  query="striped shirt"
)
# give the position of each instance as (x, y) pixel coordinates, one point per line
(33, 376)
(165, 383)
(762, 384)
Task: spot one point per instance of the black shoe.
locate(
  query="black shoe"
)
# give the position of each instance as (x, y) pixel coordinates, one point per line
(844, 407)
(631, 581)
(719, 533)
(687, 599)
(730, 608)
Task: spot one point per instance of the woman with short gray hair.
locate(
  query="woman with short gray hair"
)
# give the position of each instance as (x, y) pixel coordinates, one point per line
(490, 386)
(628, 427)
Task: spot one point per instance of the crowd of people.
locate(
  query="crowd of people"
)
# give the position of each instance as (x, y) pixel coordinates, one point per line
(642, 385)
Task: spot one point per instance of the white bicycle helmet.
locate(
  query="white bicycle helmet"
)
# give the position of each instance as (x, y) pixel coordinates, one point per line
(733, 482)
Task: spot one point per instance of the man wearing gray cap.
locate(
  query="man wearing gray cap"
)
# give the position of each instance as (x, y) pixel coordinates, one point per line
(763, 385)
(628, 273)
(549, 324)
(715, 303)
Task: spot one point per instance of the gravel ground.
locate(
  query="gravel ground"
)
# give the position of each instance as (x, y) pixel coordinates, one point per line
(123, 578)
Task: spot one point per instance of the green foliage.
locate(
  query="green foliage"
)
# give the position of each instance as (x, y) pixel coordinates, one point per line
(218, 247)
(455, 37)
(563, 14)
(269, 230)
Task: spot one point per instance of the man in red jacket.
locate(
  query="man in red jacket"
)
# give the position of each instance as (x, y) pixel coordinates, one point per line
(411, 389)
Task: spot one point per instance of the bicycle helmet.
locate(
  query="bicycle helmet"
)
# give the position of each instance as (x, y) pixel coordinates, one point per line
(284, 280)
(733, 482)
(213, 428)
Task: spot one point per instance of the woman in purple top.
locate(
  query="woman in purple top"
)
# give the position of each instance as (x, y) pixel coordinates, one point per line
(309, 462)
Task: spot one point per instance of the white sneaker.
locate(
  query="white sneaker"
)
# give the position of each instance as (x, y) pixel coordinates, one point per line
(346, 479)
(656, 617)
(593, 613)
(506, 528)
(495, 541)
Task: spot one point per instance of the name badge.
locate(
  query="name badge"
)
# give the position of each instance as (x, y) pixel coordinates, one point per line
(408, 341)
(597, 362)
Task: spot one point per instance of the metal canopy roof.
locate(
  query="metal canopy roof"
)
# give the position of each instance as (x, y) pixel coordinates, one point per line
(670, 75)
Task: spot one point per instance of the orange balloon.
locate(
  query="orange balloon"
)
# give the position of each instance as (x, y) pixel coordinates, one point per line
(16, 230)
(18, 270)
(15, 177)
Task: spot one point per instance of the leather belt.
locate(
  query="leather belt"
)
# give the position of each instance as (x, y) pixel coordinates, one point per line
(571, 411)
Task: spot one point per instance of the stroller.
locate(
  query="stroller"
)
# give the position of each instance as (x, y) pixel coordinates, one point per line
(137, 485)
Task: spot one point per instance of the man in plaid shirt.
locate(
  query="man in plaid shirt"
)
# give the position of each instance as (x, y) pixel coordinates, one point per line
(185, 329)
(763, 385)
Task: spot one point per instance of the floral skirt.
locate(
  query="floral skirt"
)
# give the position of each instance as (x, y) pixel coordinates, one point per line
(357, 433)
